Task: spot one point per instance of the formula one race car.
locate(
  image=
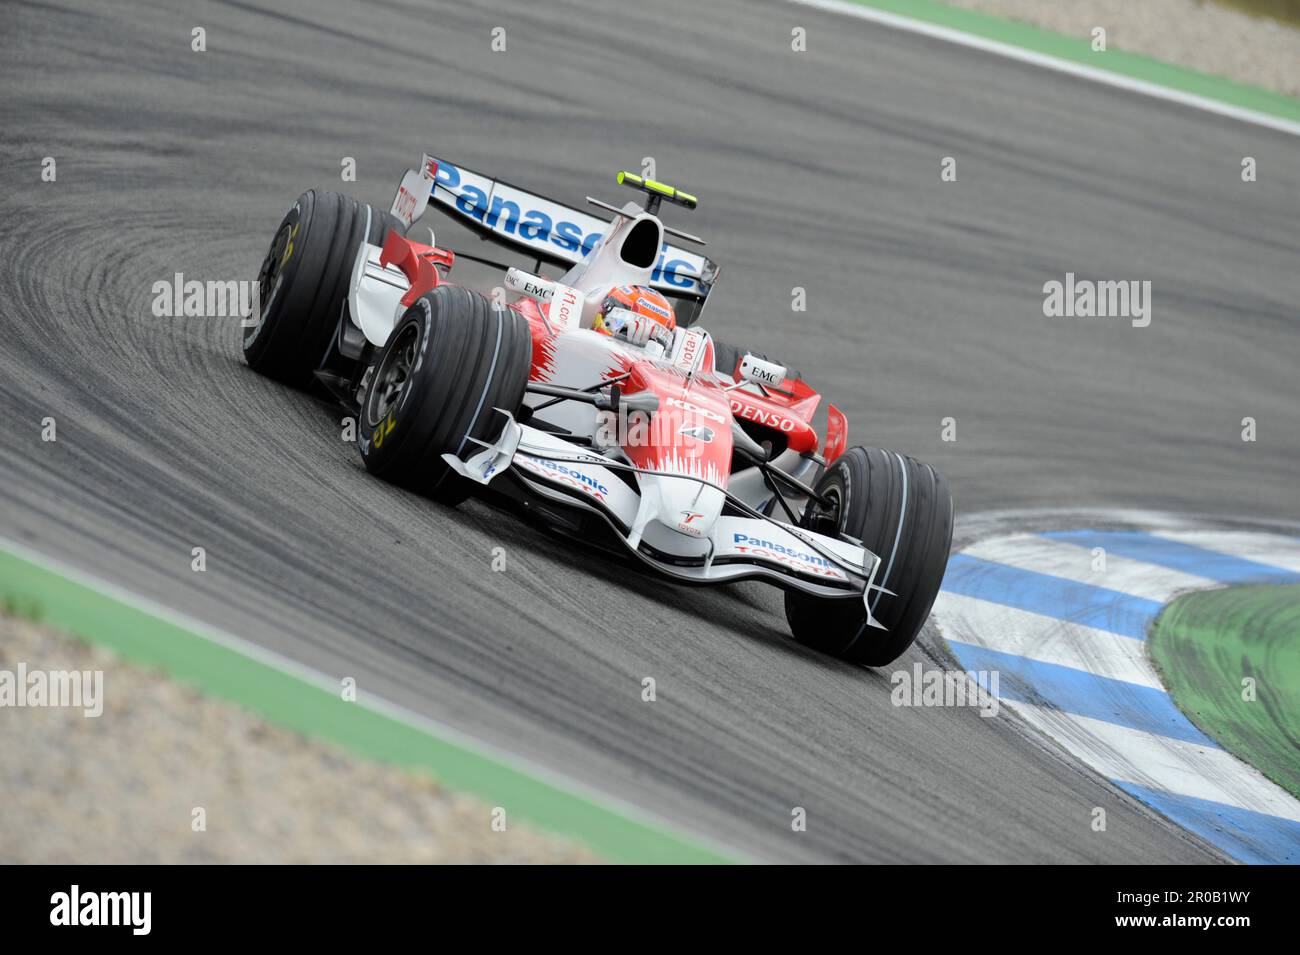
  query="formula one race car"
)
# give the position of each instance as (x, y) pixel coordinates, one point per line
(594, 401)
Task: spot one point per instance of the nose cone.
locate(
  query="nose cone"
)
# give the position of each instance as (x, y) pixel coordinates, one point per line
(677, 514)
(689, 510)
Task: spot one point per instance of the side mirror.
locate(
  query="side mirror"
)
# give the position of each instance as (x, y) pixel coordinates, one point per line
(761, 372)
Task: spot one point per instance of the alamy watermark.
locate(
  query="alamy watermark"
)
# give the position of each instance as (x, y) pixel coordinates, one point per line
(921, 687)
(179, 297)
(132, 910)
(1084, 298)
(83, 689)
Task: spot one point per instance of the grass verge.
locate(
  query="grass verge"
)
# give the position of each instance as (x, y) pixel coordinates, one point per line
(1214, 647)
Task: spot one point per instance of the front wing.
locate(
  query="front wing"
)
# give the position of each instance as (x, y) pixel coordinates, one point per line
(535, 463)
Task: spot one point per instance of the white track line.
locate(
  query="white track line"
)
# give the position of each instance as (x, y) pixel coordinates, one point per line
(1068, 67)
(1157, 762)
(1025, 634)
(1063, 559)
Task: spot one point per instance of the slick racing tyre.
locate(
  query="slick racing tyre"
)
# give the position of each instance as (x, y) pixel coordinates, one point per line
(452, 359)
(901, 510)
(303, 282)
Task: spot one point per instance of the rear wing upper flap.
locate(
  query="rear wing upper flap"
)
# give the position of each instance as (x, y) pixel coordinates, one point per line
(555, 232)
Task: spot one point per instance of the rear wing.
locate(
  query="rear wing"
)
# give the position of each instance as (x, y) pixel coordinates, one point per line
(553, 232)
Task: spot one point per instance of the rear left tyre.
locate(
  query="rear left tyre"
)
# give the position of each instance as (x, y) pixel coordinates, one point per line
(303, 282)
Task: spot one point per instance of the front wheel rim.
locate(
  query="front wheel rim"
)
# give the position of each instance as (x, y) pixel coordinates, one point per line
(827, 519)
(393, 375)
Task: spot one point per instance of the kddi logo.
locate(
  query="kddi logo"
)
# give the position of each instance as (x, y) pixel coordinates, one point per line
(102, 908)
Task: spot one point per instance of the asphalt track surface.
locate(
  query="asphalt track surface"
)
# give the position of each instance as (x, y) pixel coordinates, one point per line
(817, 169)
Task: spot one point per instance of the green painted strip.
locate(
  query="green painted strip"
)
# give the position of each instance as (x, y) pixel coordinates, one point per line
(1079, 50)
(1206, 643)
(295, 702)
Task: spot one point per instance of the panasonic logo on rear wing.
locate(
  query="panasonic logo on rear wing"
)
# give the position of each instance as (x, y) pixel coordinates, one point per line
(551, 229)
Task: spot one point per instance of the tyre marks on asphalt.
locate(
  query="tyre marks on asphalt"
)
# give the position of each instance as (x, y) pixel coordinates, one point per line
(1063, 618)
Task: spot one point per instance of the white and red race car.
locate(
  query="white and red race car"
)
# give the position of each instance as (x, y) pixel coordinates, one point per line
(695, 458)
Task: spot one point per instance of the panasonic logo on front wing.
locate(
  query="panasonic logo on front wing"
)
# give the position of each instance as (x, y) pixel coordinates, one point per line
(572, 473)
(780, 549)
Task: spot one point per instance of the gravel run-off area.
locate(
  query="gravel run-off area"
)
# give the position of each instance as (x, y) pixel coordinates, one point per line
(123, 787)
(1201, 35)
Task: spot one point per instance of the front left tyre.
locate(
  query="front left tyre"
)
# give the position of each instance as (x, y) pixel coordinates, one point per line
(452, 360)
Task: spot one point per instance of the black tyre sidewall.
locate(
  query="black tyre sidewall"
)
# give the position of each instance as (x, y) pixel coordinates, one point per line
(257, 340)
(879, 489)
(473, 357)
(290, 341)
(393, 445)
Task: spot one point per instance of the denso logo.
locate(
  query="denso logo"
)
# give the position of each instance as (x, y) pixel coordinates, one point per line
(693, 408)
(768, 419)
(542, 224)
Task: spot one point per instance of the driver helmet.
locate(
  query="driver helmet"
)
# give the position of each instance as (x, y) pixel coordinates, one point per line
(651, 316)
